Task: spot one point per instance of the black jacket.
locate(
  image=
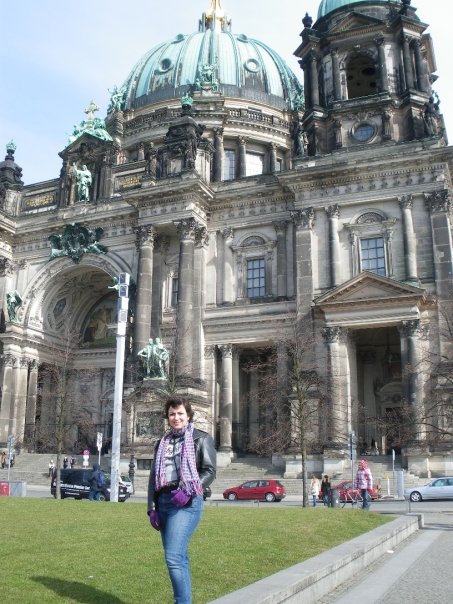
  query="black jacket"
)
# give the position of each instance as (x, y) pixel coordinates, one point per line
(206, 458)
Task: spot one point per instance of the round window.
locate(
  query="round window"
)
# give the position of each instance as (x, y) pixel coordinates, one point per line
(165, 65)
(364, 132)
(252, 65)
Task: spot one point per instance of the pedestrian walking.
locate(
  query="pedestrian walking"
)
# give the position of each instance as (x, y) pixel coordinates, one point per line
(325, 490)
(315, 488)
(72, 462)
(51, 467)
(65, 463)
(364, 481)
(97, 483)
(3, 460)
(184, 463)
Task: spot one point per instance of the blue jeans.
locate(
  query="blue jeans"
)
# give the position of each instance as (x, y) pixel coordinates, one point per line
(366, 499)
(94, 495)
(177, 527)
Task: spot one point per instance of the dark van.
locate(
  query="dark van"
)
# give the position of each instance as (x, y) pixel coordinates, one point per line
(75, 483)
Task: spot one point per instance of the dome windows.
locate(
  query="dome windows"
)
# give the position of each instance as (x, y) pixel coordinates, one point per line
(252, 65)
(165, 65)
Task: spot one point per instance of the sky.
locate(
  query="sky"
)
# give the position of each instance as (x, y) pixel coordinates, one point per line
(56, 56)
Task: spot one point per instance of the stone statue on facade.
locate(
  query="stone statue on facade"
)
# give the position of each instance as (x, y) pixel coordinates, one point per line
(300, 141)
(83, 181)
(430, 115)
(151, 161)
(13, 302)
(155, 357)
(117, 99)
(207, 79)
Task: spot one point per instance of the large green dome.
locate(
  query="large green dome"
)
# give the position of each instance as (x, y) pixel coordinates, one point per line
(327, 6)
(244, 67)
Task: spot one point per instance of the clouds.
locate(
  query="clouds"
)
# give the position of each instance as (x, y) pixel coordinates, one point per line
(56, 57)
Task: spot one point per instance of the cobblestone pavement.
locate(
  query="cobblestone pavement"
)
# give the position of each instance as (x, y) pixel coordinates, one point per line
(419, 571)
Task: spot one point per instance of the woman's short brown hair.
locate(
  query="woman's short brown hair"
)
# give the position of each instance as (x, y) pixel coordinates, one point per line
(178, 401)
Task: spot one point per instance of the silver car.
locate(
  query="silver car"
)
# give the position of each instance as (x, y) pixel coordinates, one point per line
(438, 488)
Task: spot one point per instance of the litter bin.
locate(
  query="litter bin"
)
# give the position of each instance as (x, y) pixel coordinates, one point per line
(334, 496)
(4, 489)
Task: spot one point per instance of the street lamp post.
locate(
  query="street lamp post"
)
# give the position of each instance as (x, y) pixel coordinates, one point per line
(123, 303)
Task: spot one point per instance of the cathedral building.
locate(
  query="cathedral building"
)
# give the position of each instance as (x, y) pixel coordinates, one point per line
(242, 198)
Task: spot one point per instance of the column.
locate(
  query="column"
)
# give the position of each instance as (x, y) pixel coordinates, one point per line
(410, 248)
(254, 408)
(7, 408)
(32, 396)
(303, 220)
(145, 236)
(218, 155)
(269, 257)
(201, 241)
(382, 61)
(439, 206)
(411, 331)
(336, 74)
(314, 82)
(226, 398)
(420, 68)
(184, 316)
(305, 65)
(272, 158)
(209, 376)
(228, 269)
(161, 245)
(337, 387)
(280, 227)
(407, 63)
(20, 397)
(236, 398)
(333, 212)
(282, 382)
(242, 159)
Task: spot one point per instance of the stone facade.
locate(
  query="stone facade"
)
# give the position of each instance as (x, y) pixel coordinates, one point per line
(231, 229)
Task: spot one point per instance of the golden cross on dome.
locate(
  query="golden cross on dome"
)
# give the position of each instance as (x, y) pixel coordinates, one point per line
(215, 14)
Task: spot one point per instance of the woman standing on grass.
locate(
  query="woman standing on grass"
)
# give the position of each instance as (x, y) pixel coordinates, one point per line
(184, 464)
(315, 487)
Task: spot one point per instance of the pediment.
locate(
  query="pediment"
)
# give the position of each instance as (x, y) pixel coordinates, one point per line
(354, 21)
(87, 147)
(367, 288)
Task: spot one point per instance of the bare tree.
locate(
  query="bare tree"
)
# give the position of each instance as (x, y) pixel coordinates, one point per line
(61, 397)
(292, 396)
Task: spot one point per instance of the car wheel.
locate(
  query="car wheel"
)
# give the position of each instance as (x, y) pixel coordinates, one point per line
(101, 497)
(269, 497)
(415, 496)
(232, 496)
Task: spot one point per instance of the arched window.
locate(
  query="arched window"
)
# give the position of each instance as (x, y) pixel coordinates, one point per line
(361, 76)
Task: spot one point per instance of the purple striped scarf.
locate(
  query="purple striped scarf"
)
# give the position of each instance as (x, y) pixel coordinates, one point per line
(189, 480)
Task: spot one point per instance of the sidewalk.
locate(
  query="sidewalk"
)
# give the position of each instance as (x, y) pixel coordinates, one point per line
(419, 572)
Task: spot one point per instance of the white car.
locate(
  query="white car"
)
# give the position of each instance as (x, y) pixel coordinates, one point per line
(438, 488)
(126, 482)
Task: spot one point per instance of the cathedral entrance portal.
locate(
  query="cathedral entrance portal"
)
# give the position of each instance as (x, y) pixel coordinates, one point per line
(376, 416)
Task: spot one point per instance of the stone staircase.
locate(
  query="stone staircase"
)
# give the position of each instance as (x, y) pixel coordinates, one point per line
(33, 469)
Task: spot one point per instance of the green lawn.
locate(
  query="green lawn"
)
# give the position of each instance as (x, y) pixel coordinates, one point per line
(80, 551)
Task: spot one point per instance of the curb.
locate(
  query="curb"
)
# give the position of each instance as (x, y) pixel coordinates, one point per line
(308, 581)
